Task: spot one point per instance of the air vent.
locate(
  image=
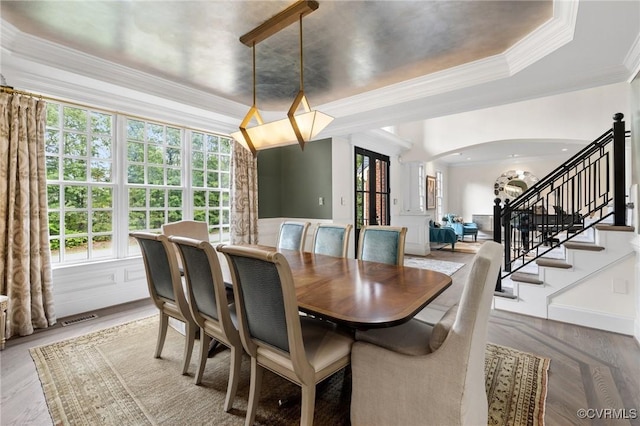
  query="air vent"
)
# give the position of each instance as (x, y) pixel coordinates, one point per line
(79, 319)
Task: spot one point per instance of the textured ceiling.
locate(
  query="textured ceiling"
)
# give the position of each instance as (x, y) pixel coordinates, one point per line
(350, 47)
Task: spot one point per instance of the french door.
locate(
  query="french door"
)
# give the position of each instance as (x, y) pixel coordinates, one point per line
(371, 190)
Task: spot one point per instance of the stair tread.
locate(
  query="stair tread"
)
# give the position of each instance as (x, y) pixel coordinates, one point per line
(505, 294)
(577, 245)
(553, 263)
(602, 227)
(524, 277)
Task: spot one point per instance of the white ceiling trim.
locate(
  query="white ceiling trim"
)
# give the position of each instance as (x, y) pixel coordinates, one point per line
(632, 60)
(549, 37)
(380, 141)
(54, 82)
(36, 50)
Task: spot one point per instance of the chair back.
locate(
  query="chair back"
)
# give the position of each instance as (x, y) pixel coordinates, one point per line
(468, 334)
(205, 286)
(384, 244)
(266, 302)
(187, 228)
(292, 235)
(163, 276)
(332, 239)
(451, 372)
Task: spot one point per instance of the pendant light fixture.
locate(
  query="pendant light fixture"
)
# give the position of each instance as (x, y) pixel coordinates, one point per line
(309, 123)
(300, 128)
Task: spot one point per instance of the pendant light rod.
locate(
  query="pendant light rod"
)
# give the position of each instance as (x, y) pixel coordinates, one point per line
(278, 22)
(301, 57)
(253, 51)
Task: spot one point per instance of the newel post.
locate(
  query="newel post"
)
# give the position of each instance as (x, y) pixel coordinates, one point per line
(507, 235)
(619, 201)
(497, 235)
(497, 226)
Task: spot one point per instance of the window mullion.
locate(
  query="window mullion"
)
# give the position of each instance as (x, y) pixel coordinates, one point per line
(121, 190)
(187, 197)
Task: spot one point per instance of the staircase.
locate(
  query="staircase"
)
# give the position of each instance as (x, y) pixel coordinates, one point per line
(576, 264)
(555, 285)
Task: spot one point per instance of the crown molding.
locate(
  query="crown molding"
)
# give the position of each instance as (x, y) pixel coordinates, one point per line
(60, 84)
(381, 141)
(546, 39)
(632, 60)
(23, 46)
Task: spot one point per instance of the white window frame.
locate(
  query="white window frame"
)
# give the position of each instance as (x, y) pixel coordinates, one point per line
(121, 242)
(439, 195)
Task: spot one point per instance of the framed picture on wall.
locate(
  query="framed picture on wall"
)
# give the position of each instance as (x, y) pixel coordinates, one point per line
(431, 192)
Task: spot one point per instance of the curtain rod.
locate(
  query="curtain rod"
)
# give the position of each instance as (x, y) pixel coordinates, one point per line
(9, 89)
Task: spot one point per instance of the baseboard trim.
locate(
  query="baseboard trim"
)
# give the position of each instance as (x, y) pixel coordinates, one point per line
(592, 319)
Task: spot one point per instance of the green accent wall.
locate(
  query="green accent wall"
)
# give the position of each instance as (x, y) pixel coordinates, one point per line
(291, 181)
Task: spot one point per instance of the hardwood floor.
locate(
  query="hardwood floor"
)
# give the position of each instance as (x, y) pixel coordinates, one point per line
(590, 369)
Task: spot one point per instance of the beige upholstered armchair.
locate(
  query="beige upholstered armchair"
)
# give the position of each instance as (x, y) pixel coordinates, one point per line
(415, 374)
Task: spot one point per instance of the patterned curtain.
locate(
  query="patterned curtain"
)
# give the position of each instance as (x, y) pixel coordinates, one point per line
(25, 258)
(244, 196)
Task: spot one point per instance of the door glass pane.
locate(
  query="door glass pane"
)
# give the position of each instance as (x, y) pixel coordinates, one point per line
(371, 189)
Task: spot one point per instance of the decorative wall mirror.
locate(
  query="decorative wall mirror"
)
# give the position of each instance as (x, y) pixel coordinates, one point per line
(512, 183)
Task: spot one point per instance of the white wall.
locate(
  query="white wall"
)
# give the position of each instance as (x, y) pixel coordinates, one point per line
(610, 291)
(575, 116)
(342, 160)
(470, 188)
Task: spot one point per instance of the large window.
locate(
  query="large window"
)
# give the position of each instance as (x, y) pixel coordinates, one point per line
(210, 183)
(79, 162)
(101, 187)
(439, 196)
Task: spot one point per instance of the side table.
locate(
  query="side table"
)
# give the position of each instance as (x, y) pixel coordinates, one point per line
(4, 302)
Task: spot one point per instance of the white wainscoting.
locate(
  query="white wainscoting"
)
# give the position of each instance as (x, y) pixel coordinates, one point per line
(82, 288)
(417, 241)
(484, 221)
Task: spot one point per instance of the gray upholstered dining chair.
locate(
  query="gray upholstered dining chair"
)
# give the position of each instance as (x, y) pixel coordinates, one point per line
(331, 239)
(207, 298)
(303, 350)
(384, 244)
(165, 289)
(292, 235)
(433, 374)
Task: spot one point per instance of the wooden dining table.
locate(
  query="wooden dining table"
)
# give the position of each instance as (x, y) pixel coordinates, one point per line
(361, 294)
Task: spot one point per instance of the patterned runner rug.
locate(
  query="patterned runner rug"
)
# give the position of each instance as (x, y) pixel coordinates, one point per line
(110, 377)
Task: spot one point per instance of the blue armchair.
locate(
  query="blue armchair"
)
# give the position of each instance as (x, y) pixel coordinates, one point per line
(444, 235)
(467, 228)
